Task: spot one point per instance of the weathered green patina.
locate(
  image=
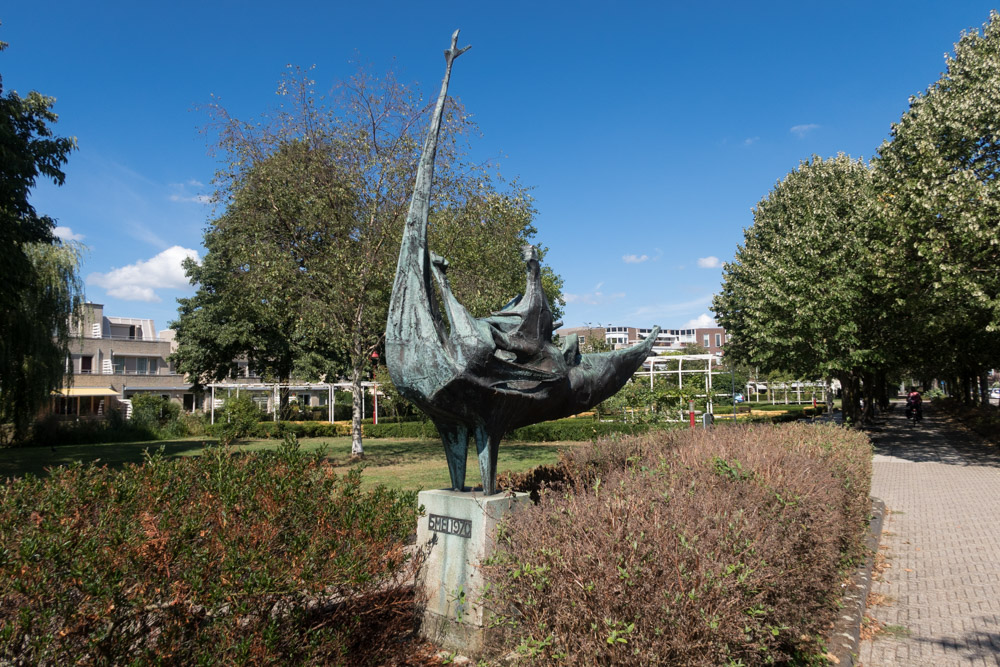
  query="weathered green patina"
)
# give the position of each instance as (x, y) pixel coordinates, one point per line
(483, 377)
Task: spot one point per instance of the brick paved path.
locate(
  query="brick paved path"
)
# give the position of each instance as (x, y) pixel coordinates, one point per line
(942, 539)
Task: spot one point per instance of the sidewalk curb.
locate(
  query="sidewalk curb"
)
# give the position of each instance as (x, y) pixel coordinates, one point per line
(845, 638)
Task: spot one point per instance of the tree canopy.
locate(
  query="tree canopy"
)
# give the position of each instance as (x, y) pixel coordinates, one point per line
(38, 273)
(301, 259)
(865, 272)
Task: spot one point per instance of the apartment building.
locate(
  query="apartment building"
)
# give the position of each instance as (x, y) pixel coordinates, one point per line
(668, 340)
(115, 358)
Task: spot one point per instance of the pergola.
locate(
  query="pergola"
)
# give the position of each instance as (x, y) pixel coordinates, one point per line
(798, 388)
(273, 388)
(660, 365)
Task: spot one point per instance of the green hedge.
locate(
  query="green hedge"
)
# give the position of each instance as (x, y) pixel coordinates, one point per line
(577, 430)
(262, 558)
(553, 431)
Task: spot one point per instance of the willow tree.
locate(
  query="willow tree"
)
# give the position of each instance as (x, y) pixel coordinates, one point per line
(313, 202)
(940, 172)
(38, 273)
(808, 291)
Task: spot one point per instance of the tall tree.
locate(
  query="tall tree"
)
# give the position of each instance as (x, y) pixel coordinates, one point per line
(39, 275)
(807, 292)
(315, 200)
(940, 172)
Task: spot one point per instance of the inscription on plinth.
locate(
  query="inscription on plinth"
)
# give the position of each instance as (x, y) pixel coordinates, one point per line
(449, 525)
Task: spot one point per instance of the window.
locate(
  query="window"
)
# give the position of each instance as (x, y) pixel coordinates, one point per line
(141, 366)
(718, 340)
(705, 338)
(119, 365)
(86, 364)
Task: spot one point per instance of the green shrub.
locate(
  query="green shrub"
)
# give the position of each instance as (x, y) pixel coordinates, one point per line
(153, 411)
(240, 418)
(52, 431)
(402, 429)
(700, 547)
(576, 430)
(266, 558)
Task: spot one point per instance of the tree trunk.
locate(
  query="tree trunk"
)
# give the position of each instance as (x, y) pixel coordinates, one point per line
(984, 387)
(283, 399)
(868, 391)
(882, 391)
(357, 450)
(829, 395)
(849, 402)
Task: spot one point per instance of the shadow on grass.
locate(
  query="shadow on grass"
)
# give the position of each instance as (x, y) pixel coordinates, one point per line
(17, 462)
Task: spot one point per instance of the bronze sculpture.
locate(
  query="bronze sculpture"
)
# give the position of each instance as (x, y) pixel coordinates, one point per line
(484, 376)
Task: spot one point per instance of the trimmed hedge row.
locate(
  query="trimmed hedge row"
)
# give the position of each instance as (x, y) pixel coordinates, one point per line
(560, 430)
(263, 558)
(693, 547)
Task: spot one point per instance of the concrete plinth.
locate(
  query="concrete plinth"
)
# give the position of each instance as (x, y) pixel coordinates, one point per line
(457, 530)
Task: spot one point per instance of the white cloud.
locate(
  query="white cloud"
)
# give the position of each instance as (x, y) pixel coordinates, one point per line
(593, 298)
(634, 259)
(138, 282)
(802, 130)
(196, 199)
(710, 262)
(667, 311)
(66, 234)
(749, 141)
(702, 321)
(141, 232)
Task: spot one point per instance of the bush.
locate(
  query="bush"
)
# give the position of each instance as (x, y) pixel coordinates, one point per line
(216, 559)
(401, 429)
(577, 430)
(240, 417)
(153, 411)
(700, 547)
(51, 431)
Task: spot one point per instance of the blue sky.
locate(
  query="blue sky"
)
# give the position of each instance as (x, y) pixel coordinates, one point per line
(648, 130)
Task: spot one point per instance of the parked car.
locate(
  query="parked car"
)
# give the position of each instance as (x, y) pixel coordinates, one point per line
(995, 392)
(738, 398)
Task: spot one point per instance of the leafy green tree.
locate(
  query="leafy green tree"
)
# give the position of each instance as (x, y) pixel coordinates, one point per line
(939, 173)
(302, 259)
(810, 291)
(39, 274)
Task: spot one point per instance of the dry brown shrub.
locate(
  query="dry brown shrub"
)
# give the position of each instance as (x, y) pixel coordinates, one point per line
(695, 547)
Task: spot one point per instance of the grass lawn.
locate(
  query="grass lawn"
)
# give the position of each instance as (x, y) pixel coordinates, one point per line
(400, 464)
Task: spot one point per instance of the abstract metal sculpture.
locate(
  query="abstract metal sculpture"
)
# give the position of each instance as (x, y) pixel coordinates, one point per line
(484, 376)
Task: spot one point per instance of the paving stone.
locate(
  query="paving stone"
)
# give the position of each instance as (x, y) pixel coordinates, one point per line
(941, 535)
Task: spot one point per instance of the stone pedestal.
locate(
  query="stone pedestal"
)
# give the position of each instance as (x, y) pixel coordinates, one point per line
(457, 530)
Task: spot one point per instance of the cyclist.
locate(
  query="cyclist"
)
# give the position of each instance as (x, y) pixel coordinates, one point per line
(914, 405)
